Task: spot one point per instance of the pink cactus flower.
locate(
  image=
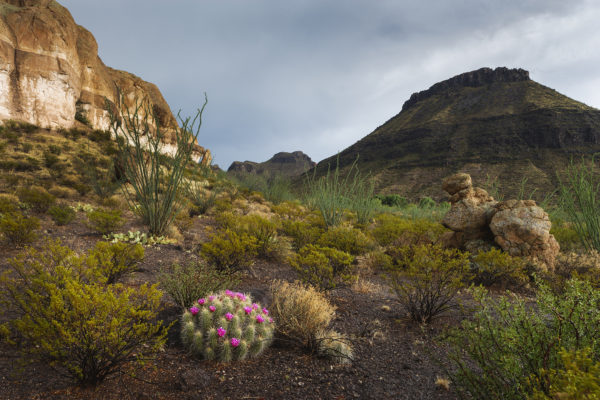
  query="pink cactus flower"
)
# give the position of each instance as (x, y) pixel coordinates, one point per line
(271, 320)
(201, 301)
(229, 293)
(211, 298)
(260, 319)
(194, 310)
(221, 332)
(248, 310)
(265, 311)
(240, 296)
(235, 342)
(229, 316)
(255, 306)
(212, 308)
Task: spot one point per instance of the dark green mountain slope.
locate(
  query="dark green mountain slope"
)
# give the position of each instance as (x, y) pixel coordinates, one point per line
(489, 123)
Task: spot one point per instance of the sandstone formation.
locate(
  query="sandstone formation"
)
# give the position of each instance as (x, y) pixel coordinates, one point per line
(519, 227)
(522, 228)
(283, 163)
(50, 70)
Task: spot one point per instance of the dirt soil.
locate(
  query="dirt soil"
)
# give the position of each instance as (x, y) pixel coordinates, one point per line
(393, 358)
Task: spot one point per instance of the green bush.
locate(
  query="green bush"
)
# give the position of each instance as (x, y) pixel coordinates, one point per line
(577, 378)
(62, 214)
(427, 203)
(51, 160)
(60, 315)
(18, 229)
(105, 221)
(508, 343)
(427, 279)
(36, 197)
(230, 251)
(186, 284)
(497, 267)
(394, 229)
(262, 229)
(301, 232)
(226, 326)
(113, 260)
(566, 236)
(323, 267)
(8, 204)
(201, 198)
(392, 200)
(347, 239)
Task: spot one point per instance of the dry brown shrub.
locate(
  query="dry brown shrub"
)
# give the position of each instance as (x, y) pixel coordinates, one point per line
(300, 312)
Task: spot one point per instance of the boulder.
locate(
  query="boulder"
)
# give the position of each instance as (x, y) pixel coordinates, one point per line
(522, 228)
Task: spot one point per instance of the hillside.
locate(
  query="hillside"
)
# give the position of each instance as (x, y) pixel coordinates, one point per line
(493, 124)
(283, 163)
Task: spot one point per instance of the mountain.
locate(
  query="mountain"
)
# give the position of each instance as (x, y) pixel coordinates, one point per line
(494, 124)
(50, 72)
(284, 164)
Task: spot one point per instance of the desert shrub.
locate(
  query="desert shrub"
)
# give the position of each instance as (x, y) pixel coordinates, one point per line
(228, 250)
(55, 149)
(303, 315)
(137, 237)
(50, 159)
(202, 199)
(113, 260)
(585, 266)
(378, 260)
(301, 232)
(61, 214)
(8, 204)
(427, 203)
(83, 328)
(427, 278)
(99, 136)
(262, 229)
(105, 221)
(36, 197)
(393, 229)
(508, 343)
(278, 189)
(26, 147)
(156, 179)
(392, 200)
(577, 378)
(18, 229)
(288, 210)
(566, 236)
(323, 267)
(101, 179)
(226, 326)
(186, 284)
(80, 115)
(350, 240)
(497, 267)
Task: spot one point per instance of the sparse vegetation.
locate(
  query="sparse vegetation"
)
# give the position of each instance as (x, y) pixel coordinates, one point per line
(105, 221)
(62, 214)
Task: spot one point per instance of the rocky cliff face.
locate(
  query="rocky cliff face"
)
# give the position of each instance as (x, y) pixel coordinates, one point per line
(285, 164)
(50, 70)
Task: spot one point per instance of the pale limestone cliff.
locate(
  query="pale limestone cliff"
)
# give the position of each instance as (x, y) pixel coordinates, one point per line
(50, 69)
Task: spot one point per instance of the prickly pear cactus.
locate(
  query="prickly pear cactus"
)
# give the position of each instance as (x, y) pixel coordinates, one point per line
(226, 326)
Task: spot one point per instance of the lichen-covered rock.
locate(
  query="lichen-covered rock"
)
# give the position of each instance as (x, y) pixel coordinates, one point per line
(50, 71)
(457, 182)
(521, 228)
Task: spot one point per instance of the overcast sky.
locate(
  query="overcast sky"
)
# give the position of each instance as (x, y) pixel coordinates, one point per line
(318, 75)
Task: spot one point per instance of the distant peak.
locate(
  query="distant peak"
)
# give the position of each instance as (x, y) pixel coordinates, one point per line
(480, 77)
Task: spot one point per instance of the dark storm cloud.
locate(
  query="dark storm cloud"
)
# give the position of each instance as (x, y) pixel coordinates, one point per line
(317, 75)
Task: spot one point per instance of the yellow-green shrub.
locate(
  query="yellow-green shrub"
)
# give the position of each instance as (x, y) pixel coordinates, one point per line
(497, 267)
(262, 229)
(323, 267)
(579, 378)
(113, 260)
(62, 214)
(61, 315)
(18, 229)
(348, 239)
(567, 236)
(392, 229)
(228, 250)
(36, 197)
(105, 221)
(427, 278)
(8, 204)
(584, 266)
(289, 210)
(301, 232)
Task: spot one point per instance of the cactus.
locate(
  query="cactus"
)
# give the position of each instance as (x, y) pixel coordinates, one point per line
(226, 326)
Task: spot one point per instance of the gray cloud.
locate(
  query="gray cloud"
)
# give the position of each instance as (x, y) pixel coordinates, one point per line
(318, 75)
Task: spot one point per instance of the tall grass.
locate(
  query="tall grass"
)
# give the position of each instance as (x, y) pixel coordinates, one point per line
(276, 188)
(579, 198)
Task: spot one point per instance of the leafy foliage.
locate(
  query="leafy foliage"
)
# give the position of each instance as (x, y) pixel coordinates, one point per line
(347, 239)
(17, 228)
(497, 267)
(400, 231)
(105, 221)
(228, 250)
(113, 260)
(427, 278)
(323, 267)
(36, 197)
(62, 214)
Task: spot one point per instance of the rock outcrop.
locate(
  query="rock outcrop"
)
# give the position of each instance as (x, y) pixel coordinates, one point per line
(519, 227)
(283, 164)
(50, 71)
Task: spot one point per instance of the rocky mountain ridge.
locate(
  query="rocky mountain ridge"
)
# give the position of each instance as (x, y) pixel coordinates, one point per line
(283, 163)
(50, 71)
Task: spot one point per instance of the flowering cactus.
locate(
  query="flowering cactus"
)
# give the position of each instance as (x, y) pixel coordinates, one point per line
(226, 326)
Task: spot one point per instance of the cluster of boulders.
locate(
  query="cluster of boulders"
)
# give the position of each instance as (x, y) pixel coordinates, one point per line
(477, 221)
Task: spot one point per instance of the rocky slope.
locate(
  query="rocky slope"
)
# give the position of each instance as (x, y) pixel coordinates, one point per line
(284, 164)
(492, 124)
(50, 70)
